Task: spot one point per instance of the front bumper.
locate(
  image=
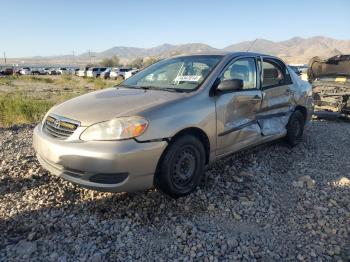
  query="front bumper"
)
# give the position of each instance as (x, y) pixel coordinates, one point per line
(113, 166)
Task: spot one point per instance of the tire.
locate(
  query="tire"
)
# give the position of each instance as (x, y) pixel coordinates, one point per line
(295, 128)
(181, 167)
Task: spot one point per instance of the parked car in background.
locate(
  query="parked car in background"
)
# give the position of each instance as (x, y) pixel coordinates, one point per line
(46, 70)
(52, 71)
(25, 71)
(39, 71)
(82, 71)
(330, 79)
(119, 72)
(17, 71)
(300, 70)
(161, 126)
(105, 74)
(62, 71)
(76, 71)
(130, 73)
(7, 71)
(35, 71)
(95, 71)
(295, 69)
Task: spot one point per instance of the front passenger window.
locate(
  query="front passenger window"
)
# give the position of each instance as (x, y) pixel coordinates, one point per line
(243, 69)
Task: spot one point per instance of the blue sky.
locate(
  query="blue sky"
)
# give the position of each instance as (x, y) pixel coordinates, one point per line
(35, 27)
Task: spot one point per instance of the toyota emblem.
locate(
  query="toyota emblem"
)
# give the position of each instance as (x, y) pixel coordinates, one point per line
(57, 123)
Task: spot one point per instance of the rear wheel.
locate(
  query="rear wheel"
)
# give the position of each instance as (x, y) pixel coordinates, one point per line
(181, 167)
(295, 128)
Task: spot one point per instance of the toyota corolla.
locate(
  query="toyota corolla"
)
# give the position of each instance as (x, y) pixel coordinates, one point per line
(163, 125)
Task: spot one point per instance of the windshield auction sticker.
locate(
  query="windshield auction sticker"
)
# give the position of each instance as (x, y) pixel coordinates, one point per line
(188, 78)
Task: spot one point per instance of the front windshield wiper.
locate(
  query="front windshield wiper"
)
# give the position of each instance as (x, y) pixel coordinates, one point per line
(169, 89)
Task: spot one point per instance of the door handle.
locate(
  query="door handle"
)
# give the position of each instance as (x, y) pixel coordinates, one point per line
(256, 99)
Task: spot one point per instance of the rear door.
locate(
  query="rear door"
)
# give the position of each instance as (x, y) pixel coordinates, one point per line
(236, 111)
(277, 92)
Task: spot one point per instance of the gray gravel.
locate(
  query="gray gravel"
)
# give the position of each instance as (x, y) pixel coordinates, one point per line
(268, 203)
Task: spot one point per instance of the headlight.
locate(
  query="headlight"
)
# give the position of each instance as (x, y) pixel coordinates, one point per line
(115, 129)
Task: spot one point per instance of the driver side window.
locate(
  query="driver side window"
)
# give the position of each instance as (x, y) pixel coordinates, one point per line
(243, 69)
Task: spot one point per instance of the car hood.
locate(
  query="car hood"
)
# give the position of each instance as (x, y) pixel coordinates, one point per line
(106, 104)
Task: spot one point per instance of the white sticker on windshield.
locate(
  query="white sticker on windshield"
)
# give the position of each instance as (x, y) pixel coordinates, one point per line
(188, 78)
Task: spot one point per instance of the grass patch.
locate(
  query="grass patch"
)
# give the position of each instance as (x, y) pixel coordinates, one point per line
(27, 102)
(41, 79)
(100, 83)
(20, 109)
(8, 80)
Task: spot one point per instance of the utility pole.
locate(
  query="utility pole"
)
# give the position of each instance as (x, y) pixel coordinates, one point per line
(90, 55)
(5, 57)
(73, 57)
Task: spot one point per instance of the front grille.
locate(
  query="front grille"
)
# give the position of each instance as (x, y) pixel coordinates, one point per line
(60, 127)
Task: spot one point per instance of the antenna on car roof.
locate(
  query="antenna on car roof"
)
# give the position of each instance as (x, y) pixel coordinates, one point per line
(252, 44)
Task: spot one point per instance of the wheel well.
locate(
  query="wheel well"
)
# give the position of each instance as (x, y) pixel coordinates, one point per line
(200, 134)
(197, 132)
(302, 110)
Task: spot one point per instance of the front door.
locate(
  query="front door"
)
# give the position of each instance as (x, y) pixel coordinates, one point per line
(236, 111)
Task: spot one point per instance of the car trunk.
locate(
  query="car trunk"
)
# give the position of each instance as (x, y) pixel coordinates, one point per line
(330, 80)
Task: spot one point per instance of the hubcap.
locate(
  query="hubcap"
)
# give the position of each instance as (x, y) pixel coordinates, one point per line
(184, 167)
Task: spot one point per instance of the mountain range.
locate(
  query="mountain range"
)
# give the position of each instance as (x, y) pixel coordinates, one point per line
(294, 50)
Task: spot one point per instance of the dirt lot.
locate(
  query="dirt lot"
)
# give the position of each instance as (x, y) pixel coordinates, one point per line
(270, 203)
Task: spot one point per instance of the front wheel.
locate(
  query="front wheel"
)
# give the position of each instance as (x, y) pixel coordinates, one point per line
(181, 167)
(295, 128)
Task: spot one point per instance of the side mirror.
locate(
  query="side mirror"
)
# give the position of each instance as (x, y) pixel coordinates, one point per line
(230, 85)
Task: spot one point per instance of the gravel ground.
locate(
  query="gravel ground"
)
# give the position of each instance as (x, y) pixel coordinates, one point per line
(268, 203)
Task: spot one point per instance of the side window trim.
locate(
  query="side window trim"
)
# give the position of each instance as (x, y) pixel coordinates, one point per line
(237, 59)
(260, 71)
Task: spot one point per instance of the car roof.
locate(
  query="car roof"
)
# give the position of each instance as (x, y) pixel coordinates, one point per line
(231, 54)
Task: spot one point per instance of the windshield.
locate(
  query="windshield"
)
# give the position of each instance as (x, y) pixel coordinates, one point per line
(180, 73)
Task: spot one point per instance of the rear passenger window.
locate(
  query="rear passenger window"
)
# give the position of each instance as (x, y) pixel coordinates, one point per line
(244, 69)
(272, 74)
(275, 73)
